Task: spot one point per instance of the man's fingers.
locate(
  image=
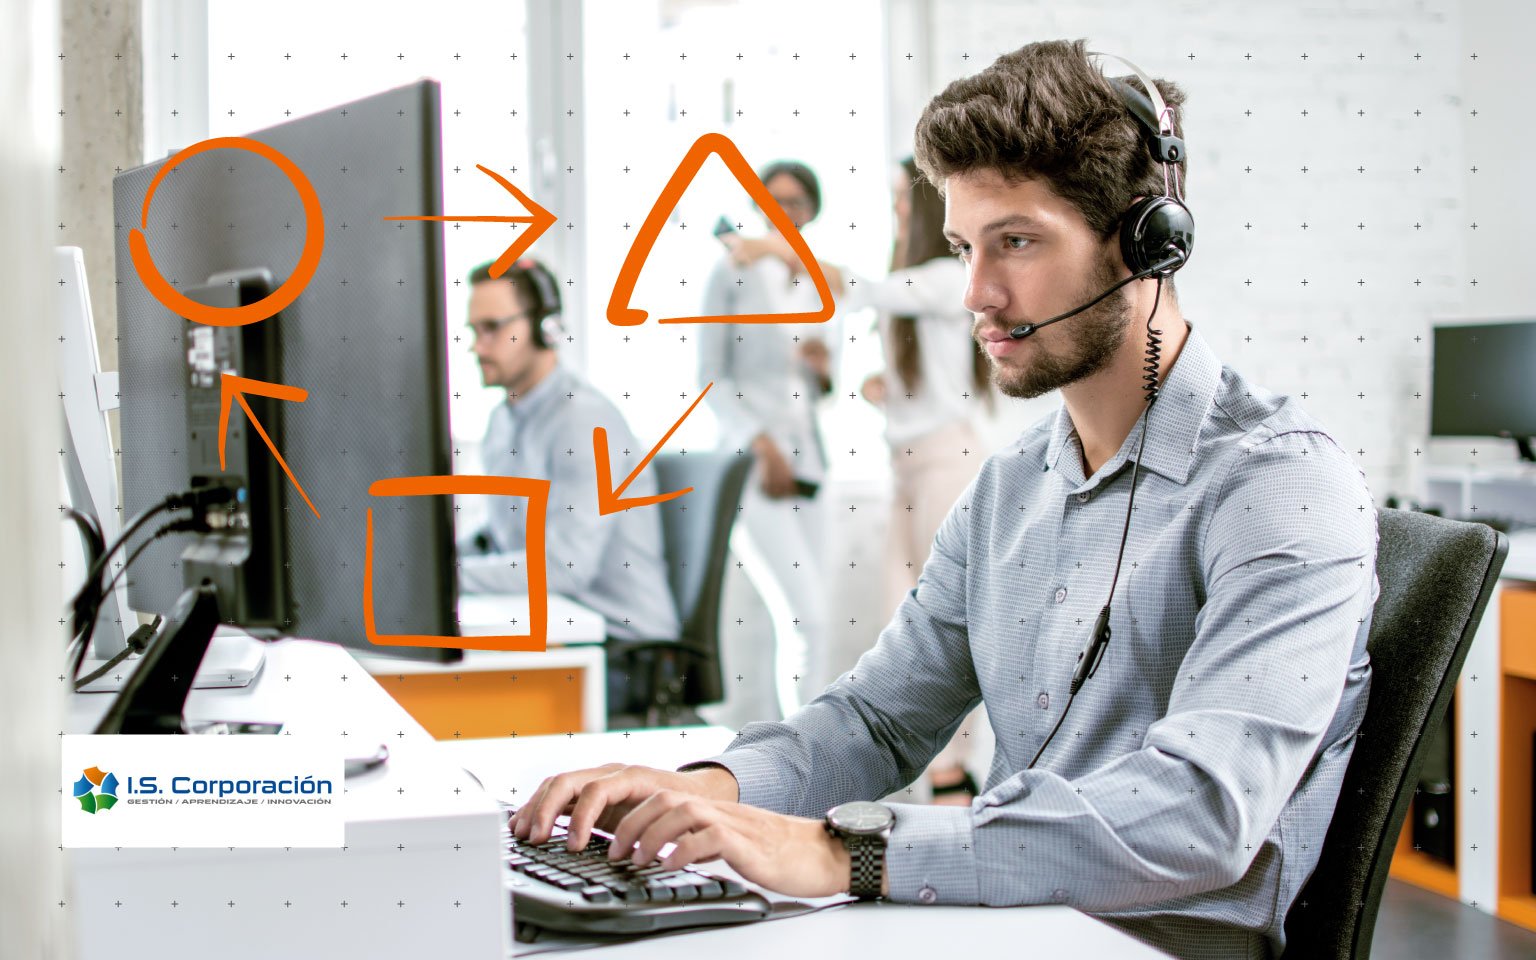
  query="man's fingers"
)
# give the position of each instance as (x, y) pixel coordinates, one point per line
(676, 823)
(526, 813)
(638, 819)
(549, 803)
(557, 796)
(595, 797)
(698, 846)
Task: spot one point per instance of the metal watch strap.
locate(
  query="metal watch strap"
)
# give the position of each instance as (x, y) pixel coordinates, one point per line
(866, 857)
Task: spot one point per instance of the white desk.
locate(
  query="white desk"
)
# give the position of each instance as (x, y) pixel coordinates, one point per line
(421, 874)
(512, 769)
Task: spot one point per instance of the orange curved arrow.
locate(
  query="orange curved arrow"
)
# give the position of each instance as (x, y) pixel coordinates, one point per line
(610, 500)
(234, 388)
(540, 221)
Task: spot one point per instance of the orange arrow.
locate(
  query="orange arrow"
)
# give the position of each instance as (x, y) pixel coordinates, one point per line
(610, 500)
(235, 388)
(541, 220)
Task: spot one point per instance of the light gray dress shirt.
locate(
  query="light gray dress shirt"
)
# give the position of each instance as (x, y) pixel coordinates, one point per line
(1186, 798)
(611, 564)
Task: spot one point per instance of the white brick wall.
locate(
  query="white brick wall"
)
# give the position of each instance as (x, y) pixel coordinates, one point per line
(1251, 196)
(1248, 84)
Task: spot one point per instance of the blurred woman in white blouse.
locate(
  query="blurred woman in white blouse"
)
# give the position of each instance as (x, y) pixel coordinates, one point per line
(936, 383)
(935, 387)
(934, 390)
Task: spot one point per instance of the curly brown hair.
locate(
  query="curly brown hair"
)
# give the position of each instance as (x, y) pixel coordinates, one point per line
(1046, 112)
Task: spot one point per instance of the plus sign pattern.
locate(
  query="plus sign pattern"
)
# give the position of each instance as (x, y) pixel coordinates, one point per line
(1337, 170)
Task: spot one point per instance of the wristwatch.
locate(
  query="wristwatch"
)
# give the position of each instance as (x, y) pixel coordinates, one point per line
(865, 829)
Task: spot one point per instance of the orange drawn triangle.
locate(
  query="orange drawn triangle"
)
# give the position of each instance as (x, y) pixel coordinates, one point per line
(621, 314)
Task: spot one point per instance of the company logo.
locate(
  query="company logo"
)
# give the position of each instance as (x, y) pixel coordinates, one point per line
(96, 790)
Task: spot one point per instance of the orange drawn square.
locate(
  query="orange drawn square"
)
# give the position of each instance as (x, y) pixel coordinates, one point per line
(537, 492)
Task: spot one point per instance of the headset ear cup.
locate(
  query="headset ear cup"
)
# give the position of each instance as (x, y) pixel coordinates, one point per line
(1151, 228)
(550, 331)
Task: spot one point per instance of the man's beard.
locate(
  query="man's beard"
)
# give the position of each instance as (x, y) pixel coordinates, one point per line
(1096, 335)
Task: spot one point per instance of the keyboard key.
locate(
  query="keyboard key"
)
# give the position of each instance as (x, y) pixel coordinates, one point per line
(659, 892)
(597, 894)
(732, 887)
(710, 889)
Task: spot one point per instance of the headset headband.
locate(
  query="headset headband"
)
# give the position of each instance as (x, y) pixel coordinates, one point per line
(1163, 117)
(1166, 148)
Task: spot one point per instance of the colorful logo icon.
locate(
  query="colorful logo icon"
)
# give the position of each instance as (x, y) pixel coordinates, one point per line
(96, 790)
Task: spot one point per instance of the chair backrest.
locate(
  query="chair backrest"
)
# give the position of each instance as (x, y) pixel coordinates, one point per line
(1436, 576)
(696, 536)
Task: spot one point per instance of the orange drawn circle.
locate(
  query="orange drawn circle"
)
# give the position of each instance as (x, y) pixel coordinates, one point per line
(303, 271)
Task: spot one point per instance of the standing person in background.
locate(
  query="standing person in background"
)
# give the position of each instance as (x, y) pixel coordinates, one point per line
(767, 379)
(935, 384)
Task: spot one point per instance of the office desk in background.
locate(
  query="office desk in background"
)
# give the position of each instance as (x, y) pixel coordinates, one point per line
(513, 769)
(501, 693)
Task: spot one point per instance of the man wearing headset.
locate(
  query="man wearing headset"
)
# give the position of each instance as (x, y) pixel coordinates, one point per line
(1186, 799)
(611, 564)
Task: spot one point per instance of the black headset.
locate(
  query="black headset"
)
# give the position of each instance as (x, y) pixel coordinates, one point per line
(1156, 227)
(1157, 234)
(545, 326)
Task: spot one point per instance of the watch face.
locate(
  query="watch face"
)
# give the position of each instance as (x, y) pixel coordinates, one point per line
(861, 816)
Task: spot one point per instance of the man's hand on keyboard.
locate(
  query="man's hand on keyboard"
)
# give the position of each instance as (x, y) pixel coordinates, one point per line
(602, 796)
(792, 855)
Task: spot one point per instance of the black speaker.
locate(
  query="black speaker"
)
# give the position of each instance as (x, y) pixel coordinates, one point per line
(1434, 803)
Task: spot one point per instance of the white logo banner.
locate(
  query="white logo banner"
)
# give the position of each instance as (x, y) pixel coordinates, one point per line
(202, 791)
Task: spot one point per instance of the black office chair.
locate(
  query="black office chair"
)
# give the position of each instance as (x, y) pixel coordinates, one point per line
(684, 673)
(1436, 577)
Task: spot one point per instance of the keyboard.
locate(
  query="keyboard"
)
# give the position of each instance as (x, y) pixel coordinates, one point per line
(585, 892)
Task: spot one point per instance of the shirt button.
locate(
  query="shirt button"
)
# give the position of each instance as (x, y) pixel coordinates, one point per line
(1059, 895)
(1044, 701)
(927, 895)
(1083, 497)
(1061, 594)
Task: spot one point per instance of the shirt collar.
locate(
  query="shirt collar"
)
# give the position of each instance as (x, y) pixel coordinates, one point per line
(1181, 407)
(529, 404)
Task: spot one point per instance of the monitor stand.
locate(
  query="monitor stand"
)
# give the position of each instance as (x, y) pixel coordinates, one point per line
(154, 696)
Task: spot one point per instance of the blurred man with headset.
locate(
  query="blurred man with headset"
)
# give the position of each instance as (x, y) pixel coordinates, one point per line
(612, 564)
(1211, 527)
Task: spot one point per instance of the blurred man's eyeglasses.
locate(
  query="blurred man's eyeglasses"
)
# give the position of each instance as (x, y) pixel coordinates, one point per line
(793, 203)
(489, 328)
